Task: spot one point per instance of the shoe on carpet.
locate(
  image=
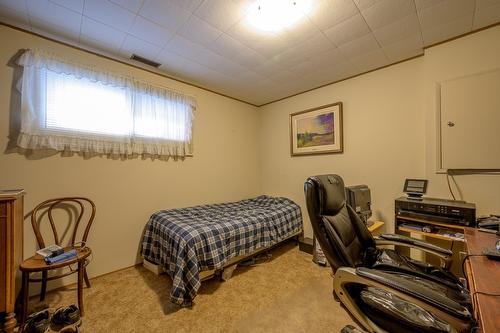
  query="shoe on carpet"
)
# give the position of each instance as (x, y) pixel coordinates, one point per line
(37, 322)
(70, 329)
(64, 317)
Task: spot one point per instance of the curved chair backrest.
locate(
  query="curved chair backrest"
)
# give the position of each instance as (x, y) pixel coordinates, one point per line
(342, 235)
(78, 204)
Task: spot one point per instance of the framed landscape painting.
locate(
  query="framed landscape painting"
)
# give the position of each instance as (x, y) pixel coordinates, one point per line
(317, 130)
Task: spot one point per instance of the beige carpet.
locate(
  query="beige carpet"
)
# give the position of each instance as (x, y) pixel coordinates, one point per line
(289, 293)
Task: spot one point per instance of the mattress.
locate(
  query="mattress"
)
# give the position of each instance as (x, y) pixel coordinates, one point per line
(187, 241)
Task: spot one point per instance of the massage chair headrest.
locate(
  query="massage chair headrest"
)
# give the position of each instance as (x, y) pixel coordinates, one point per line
(331, 193)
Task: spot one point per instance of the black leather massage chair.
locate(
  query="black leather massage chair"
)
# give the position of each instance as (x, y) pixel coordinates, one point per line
(382, 290)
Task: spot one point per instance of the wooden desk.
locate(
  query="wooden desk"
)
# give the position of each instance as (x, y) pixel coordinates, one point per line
(375, 226)
(483, 275)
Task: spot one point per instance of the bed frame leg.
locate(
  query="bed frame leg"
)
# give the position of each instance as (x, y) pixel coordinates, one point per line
(227, 273)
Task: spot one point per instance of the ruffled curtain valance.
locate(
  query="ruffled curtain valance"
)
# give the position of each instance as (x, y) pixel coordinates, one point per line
(67, 106)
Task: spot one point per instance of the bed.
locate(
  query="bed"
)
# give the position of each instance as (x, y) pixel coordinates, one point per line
(189, 241)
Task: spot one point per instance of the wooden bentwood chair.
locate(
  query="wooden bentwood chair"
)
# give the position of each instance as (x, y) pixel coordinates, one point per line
(74, 208)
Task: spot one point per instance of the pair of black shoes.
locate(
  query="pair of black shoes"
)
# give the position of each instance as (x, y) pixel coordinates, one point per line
(65, 319)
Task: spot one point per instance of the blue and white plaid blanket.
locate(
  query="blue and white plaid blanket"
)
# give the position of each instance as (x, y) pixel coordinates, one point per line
(189, 240)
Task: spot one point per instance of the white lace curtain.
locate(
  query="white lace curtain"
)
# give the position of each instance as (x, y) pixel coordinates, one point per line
(72, 107)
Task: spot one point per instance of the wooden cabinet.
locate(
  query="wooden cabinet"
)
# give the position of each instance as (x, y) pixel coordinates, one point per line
(11, 254)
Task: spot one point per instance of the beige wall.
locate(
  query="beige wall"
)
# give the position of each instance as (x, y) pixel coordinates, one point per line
(389, 130)
(225, 166)
(383, 137)
(476, 53)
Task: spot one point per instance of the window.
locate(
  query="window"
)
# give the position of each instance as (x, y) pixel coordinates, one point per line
(76, 108)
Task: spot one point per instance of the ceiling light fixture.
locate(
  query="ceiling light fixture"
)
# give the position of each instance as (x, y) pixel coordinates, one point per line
(276, 15)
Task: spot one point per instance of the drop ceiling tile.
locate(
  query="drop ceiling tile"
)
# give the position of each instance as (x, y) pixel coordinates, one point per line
(364, 4)
(283, 76)
(260, 96)
(289, 58)
(327, 13)
(183, 47)
(74, 5)
(109, 13)
(17, 5)
(189, 5)
(250, 77)
(212, 79)
(249, 58)
(243, 33)
(328, 58)
(133, 45)
(446, 30)
(218, 63)
(304, 68)
(131, 5)
(226, 46)
(197, 73)
(404, 48)
(402, 28)
(315, 80)
(53, 31)
(486, 15)
(312, 46)
(270, 67)
(171, 62)
(199, 31)
(299, 32)
(164, 13)
(100, 47)
(370, 60)
(150, 32)
(445, 11)
(359, 46)
(308, 82)
(404, 54)
(221, 13)
(53, 18)
(322, 77)
(421, 4)
(14, 17)
(99, 33)
(341, 71)
(387, 11)
(350, 29)
(268, 47)
(184, 69)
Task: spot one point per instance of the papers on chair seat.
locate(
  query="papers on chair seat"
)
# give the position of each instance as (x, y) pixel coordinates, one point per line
(50, 250)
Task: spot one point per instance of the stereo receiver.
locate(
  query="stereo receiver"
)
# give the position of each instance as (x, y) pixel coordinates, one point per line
(437, 210)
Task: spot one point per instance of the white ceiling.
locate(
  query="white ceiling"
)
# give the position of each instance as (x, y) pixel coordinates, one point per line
(208, 42)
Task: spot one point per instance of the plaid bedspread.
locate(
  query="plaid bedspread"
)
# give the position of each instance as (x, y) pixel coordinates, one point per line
(189, 240)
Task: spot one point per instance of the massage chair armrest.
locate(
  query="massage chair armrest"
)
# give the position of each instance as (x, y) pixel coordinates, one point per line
(398, 284)
(400, 240)
(406, 289)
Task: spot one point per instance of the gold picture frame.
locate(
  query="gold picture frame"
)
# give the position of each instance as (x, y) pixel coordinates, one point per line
(317, 131)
